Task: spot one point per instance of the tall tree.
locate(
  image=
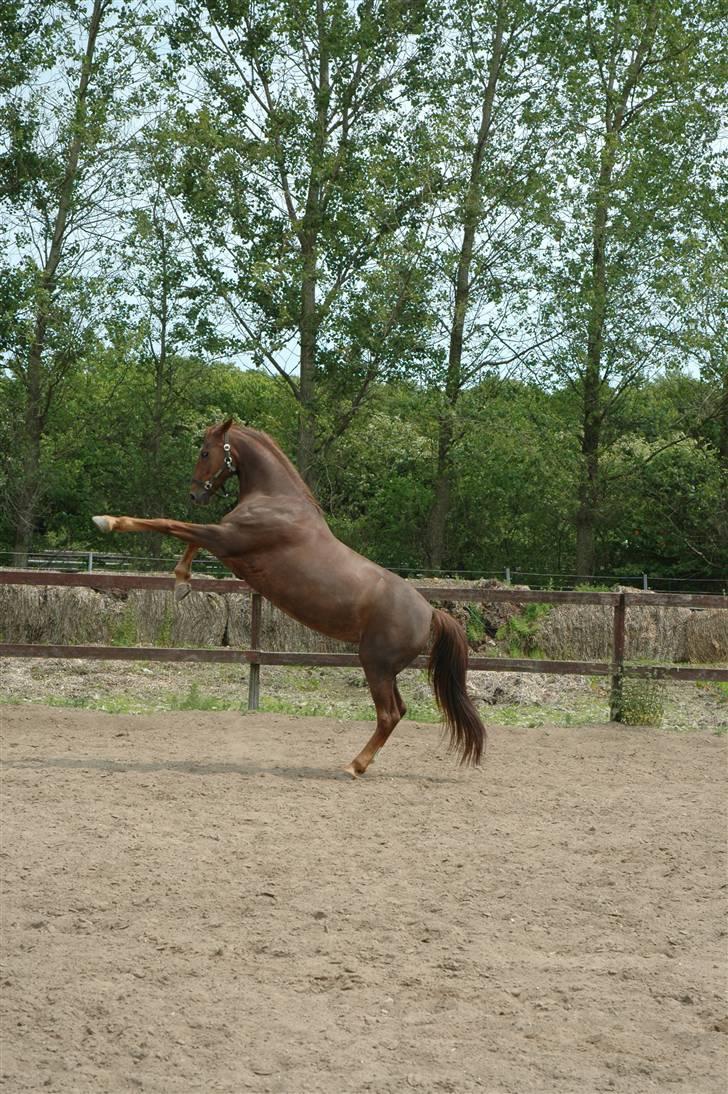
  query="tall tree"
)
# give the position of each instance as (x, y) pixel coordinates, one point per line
(490, 97)
(66, 104)
(639, 84)
(300, 172)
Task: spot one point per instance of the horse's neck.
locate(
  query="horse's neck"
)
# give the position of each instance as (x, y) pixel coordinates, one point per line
(259, 469)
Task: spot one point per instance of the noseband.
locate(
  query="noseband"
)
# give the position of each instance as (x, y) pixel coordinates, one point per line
(228, 465)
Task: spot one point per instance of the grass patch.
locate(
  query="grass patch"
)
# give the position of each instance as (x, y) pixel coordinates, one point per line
(534, 716)
(341, 709)
(197, 700)
(109, 704)
(719, 688)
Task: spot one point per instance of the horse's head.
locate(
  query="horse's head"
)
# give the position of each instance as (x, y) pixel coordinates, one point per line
(215, 465)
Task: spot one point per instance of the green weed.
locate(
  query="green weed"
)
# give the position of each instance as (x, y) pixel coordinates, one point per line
(520, 632)
(125, 632)
(475, 627)
(643, 702)
(164, 638)
(196, 700)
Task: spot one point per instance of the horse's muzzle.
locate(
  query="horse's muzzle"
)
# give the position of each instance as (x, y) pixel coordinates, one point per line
(200, 497)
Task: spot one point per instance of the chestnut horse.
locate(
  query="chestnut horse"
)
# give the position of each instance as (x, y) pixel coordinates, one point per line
(277, 540)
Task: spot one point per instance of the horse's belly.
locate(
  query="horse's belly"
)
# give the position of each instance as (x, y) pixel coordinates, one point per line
(332, 608)
(340, 625)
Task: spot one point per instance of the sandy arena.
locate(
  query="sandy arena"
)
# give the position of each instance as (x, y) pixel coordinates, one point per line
(200, 901)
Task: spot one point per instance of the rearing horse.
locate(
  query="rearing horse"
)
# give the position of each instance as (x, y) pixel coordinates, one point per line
(277, 540)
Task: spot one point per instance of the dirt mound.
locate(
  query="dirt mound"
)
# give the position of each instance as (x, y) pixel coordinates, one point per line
(496, 688)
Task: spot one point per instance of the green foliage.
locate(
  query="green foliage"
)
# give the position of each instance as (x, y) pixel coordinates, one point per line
(125, 631)
(353, 151)
(643, 702)
(194, 699)
(164, 637)
(475, 628)
(520, 632)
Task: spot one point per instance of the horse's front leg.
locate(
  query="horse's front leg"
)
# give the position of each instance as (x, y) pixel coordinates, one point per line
(183, 573)
(215, 538)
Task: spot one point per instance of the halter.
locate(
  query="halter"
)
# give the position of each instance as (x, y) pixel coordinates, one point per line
(227, 465)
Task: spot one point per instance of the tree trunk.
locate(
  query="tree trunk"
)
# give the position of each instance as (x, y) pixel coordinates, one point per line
(586, 516)
(308, 239)
(592, 407)
(723, 424)
(306, 389)
(454, 382)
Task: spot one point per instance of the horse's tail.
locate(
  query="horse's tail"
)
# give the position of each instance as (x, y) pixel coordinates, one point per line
(447, 669)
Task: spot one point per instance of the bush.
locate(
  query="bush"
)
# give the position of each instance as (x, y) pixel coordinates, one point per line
(643, 702)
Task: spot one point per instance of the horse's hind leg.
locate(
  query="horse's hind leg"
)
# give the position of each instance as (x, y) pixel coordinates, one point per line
(384, 693)
(400, 701)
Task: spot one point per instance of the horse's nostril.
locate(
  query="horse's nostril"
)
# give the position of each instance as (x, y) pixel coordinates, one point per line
(192, 497)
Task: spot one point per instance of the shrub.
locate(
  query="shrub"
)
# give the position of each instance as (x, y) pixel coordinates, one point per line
(643, 702)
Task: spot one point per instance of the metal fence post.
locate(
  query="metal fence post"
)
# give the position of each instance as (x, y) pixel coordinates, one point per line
(615, 701)
(256, 605)
(644, 583)
(508, 575)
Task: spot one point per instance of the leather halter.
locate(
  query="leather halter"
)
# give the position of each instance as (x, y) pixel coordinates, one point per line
(227, 465)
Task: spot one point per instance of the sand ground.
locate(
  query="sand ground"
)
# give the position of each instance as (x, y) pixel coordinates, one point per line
(201, 901)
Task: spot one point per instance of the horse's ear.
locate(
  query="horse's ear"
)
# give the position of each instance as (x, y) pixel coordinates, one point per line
(225, 425)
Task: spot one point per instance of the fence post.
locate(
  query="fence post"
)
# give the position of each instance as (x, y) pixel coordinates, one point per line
(615, 701)
(90, 561)
(256, 604)
(644, 583)
(508, 575)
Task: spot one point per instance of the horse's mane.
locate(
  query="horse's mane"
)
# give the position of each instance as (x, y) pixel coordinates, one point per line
(267, 442)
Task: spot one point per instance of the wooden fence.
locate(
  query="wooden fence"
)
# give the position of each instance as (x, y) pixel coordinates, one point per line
(255, 656)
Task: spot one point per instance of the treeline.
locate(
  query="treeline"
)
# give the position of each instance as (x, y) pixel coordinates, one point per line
(515, 467)
(465, 260)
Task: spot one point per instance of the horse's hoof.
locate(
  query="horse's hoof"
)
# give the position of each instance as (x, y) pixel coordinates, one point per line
(351, 770)
(103, 523)
(181, 589)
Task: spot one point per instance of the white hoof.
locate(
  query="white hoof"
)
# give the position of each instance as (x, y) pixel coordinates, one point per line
(102, 523)
(181, 591)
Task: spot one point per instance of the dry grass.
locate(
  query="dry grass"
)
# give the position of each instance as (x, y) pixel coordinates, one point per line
(150, 617)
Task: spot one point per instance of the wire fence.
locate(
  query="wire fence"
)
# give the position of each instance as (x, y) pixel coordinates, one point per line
(90, 561)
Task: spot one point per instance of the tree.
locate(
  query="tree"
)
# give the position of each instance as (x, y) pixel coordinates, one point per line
(489, 96)
(66, 105)
(639, 86)
(299, 174)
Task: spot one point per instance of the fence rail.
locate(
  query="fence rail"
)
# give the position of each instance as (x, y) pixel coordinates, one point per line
(255, 657)
(93, 561)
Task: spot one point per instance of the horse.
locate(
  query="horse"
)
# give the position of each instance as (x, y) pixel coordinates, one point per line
(277, 540)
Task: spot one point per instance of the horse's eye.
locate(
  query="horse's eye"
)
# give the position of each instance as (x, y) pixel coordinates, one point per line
(205, 455)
